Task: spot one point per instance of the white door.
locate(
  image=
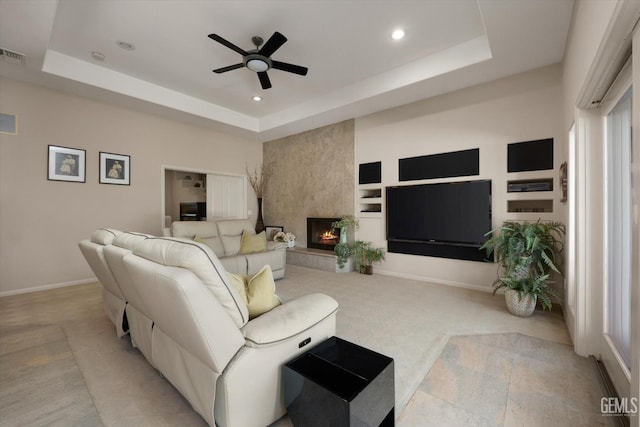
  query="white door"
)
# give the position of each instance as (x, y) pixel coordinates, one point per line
(226, 197)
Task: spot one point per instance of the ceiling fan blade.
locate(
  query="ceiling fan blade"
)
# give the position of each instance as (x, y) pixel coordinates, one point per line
(229, 68)
(264, 80)
(228, 44)
(272, 44)
(291, 68)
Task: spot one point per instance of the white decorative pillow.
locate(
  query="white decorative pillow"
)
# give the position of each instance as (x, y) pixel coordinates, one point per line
(258, 291)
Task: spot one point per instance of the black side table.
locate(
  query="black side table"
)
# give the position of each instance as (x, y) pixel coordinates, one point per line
(338, 383)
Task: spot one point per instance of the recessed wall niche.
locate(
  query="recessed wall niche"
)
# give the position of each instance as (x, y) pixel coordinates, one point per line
(370, 173)
(443, 165)
(530, 155)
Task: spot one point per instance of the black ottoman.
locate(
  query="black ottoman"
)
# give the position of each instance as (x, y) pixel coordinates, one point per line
(338, 383)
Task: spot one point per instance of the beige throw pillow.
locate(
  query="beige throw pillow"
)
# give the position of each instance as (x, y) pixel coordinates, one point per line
(251, 243)
(258, 291)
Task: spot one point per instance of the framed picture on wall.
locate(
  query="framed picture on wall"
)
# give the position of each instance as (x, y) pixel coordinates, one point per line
(66, 164)
(115, 168)
(271, 230)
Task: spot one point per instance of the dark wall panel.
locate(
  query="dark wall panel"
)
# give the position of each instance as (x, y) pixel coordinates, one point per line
(530, 155)
(438, 250)
(370, 173)
(445, 165)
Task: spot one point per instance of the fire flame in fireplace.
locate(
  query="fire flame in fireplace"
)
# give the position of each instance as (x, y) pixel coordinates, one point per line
(328, 236)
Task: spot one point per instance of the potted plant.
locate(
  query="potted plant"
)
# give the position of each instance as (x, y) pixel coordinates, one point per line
(365, 256)
(527, 253)
(346, 224)
(343, 252)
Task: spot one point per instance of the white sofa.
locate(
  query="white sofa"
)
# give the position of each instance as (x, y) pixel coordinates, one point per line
(192, 325)
(224, 238)
(113, 300)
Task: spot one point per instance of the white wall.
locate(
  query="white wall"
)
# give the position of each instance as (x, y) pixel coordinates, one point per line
(589, 23)
(42, 221)
(520, 108)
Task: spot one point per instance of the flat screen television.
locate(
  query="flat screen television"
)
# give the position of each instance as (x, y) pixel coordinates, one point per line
(443, 215)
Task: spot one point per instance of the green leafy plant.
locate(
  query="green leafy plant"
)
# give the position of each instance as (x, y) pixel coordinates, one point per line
(365, 255)
(527, 253)
(538, 286)
(343, 252)
(348, 222)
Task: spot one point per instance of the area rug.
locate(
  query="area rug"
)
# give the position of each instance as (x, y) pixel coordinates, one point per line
(507, 380)
(40, 382)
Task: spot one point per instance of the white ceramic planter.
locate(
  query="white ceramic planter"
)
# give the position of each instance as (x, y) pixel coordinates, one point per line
(521, 305)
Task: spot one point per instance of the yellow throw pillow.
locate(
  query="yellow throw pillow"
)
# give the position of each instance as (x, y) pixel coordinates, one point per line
(239, 282)
(251, 243)
(261, 292)
(258, 291)
(198, 239)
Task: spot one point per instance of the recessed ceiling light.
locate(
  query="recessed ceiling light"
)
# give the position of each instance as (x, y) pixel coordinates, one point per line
(98, 55)
(397, 34)
(257, 98)
(126, 45)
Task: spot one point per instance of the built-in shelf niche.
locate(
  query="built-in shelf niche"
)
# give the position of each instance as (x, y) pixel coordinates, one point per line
(530, 206)
(370, 200)
(530, 185)
(371, 193)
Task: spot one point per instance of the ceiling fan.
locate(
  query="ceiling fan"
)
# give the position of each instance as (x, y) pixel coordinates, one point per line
(259, 59)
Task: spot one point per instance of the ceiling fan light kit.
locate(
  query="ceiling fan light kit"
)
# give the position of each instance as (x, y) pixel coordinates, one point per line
(259, 59)
(257, 63)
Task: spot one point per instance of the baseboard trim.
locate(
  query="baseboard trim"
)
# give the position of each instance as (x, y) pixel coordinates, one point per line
(608, 389)
(47, 287)
(432, 280)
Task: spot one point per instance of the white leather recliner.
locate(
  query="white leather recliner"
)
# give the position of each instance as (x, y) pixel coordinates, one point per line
(113, 300)
(140, 324)
(193, 326)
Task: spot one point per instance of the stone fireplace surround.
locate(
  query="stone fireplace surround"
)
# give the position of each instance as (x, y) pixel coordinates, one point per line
(312, 174)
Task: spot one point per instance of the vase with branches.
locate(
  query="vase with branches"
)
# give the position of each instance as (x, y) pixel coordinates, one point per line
(258, 179)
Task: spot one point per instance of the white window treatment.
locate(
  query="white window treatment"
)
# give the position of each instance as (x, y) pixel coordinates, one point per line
(619, 228)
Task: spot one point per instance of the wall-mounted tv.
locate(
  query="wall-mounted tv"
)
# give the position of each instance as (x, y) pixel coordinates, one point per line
(444, 219)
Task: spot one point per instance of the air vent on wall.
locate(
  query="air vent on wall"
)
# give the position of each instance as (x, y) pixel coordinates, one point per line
(11, 56)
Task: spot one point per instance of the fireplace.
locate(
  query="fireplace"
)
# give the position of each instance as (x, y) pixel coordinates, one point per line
(320, 235)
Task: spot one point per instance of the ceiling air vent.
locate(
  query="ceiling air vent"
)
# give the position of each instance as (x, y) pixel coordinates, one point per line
(11, 56)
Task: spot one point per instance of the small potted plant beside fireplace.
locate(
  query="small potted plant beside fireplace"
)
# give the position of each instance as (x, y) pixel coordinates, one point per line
(347, 224)
(365, 256)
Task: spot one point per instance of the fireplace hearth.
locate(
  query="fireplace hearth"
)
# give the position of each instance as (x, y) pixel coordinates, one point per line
(320, 234)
